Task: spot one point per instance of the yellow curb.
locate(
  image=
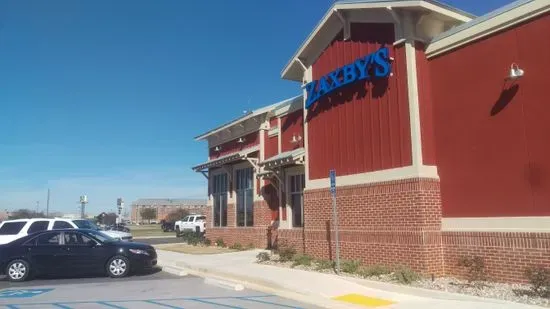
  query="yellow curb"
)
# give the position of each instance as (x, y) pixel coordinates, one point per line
(362, 300)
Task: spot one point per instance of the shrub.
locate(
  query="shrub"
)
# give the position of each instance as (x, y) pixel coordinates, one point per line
(475, 268)
(405, 275)
(374, 271)
(286, 252)
(302, 259)
(539, 278)
(263, 257)
(324, 264)
(236, 246)
(207, 242)
(220, 243)
(250, 246)
(191, 238)
(351, 266)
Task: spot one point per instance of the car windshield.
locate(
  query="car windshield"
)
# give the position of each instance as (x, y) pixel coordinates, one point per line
(86, 224)
(104, 238)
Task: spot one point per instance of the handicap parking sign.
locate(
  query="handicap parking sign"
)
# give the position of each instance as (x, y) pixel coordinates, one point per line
(22, 293)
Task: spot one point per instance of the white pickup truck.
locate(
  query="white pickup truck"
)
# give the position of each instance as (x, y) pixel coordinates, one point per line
(191, 222)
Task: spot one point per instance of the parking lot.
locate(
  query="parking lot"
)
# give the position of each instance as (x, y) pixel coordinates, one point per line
(151, 290)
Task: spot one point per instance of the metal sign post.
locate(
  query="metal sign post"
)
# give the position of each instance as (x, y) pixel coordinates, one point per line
(332, 175)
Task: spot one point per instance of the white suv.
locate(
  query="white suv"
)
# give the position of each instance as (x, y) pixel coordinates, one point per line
(191, 223)
(11, 230)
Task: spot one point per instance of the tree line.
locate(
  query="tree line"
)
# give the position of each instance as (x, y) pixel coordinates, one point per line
(30, 214)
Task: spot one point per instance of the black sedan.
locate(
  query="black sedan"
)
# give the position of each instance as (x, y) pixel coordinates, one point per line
(73, 252)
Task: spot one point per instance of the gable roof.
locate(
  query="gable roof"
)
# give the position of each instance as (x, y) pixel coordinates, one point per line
(328, 24)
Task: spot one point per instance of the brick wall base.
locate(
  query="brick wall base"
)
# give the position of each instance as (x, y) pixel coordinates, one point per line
(394, 223)
(506, 255)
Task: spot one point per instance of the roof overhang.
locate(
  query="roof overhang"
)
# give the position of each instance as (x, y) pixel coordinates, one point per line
(332, 23)
(258, 114)
(292, 157)
(227, 159)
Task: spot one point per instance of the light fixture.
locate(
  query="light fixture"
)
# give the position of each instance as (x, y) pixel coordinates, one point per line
(515, 72)
(217, 148)
(240, 140)
(296, 139)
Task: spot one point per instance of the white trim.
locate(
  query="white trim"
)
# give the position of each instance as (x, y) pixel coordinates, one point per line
(273, 131)
(400, 173)
(308, 77)
(412, 90)
(289, 108)
(487, 27)
(291, 171)
(497, 224)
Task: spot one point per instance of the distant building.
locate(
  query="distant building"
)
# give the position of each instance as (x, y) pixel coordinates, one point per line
(166, 206)
(3, 215)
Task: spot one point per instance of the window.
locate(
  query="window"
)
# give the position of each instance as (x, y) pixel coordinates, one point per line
(219, 192)
(38, 226)
(76, 239)
(12, 228)
(86, 224)
(200, 218)
(245, 197)
(297, 184)
(49, 239)
(62, 225)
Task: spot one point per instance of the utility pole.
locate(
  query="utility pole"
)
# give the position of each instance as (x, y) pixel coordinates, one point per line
(37, 206)
(48, 204)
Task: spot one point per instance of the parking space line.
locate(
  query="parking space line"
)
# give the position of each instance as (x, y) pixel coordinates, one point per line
(110, 305)
(267, 302)
(62, 306)
(161, 304)
(201, 300)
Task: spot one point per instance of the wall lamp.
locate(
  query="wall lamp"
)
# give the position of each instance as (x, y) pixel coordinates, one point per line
(515, 72)
(296, 139)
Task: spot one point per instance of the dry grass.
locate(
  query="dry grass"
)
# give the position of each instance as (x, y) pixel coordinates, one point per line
(188, 249)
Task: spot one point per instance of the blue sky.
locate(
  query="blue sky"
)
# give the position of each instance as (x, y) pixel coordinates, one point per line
(104, 97)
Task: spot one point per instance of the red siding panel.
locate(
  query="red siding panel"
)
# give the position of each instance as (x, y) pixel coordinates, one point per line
(292, 124)
(271, 146)
(425, 106)
(365, 126)
(252, 139)
(492, 137)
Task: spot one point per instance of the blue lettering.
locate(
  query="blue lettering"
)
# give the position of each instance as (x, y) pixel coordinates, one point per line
(376, 64)
(311, 94)
(363, 66)
(324, 87)
(350, 75)
(381, 59)
(335, 78)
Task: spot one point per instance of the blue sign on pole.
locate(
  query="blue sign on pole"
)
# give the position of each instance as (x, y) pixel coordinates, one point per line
(332, 175)
(22, 293)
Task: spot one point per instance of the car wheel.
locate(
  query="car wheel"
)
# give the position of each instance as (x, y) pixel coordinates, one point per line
(118, 267)
(18, 270)
(177, 231)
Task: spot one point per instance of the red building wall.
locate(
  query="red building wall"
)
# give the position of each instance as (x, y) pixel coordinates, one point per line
(292, 124)
(251, 139)
(425, 103)
(492, 136)
(271, 147)
(365, 126)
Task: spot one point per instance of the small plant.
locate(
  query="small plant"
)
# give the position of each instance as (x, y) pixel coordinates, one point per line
(539, 278)
(263, 257)
(351, 266)
(302, 259)
(207, 242)
(475, 268)
(373, 271)
(220, 243)
(405, 275)
(324, 264)
(236, 246)
(250, 246)
(286, 252)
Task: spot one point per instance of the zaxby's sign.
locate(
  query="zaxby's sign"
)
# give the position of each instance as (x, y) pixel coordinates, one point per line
(375, 65)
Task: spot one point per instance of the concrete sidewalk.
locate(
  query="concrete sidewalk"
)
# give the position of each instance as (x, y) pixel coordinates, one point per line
(239, 269)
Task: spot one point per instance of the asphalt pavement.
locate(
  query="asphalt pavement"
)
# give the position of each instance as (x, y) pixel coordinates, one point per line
(153, 290)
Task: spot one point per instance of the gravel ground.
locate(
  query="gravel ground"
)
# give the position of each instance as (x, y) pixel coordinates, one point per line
(520, 293)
